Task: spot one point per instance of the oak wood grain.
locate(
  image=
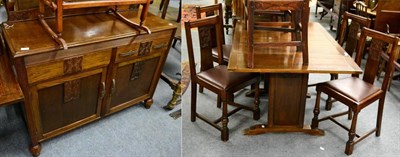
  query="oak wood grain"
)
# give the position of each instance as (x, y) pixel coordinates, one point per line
(10, 91)
(325, 55)
(97, 28)
(55, 68)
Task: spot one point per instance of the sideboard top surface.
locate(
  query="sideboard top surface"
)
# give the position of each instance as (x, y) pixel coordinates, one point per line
(29, 37)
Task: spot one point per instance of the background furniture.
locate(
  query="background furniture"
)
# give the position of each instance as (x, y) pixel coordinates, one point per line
(217, 78)
(108, 67)
(297, 27)
(388, 21)
(59, 7)
(288, 76)
(358, 93)
(10, 91)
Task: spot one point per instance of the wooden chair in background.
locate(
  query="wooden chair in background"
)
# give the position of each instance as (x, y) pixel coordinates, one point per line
(217, 78)
(361, 8)
(325, 4)
(298, 26)
(359, 93)
(212, 10)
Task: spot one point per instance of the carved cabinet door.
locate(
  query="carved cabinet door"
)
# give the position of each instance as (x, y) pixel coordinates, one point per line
(135, 76)
(68, 102)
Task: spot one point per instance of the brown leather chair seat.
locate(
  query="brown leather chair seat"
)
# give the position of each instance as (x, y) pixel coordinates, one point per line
(221, 78)
(353, 88)
(226, 50)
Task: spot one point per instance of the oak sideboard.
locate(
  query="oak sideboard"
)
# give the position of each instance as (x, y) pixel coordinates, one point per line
(107, 67)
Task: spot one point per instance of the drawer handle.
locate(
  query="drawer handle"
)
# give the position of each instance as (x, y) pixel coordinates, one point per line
(129, 53)
(159, 46)
(113, 87)
(103, 90)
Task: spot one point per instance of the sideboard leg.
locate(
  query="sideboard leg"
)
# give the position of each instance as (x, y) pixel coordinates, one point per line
(35, 150)
(148, 103)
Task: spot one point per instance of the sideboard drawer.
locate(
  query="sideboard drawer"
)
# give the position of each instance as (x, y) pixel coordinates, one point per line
(67, 66)
(153, 43)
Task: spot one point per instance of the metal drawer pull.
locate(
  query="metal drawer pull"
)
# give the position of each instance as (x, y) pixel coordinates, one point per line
(129, 53)
(103, 90)
(159, 46)
(113, 87)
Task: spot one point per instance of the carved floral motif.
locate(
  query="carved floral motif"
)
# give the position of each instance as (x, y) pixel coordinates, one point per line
(72, 90)
(72, 65)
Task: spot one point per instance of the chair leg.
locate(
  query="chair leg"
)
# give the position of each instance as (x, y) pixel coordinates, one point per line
(315, 122)
(161, 4)
(379, 118)
(201, 89)
(256, 109)
(193, 102)
(228, 14)
(328, 104)
(352, 135)
(316, 9)
(225, 120)
(174, 42)
(219, 101)
(329, 101)
(350, 114)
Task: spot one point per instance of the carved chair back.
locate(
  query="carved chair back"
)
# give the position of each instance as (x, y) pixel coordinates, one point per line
(212, 10)
(298, 26)
(379, 42)
(204, 26)
(349, 32)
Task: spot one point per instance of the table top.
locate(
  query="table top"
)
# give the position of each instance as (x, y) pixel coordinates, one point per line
(325, 54)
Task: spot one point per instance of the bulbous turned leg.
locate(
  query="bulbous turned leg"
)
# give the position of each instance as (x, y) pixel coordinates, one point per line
(35, 150)
(148, 103)
(176, 97)
(352, 134)
(314, 123)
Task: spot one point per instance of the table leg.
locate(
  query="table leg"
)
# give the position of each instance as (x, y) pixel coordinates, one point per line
(287, 98)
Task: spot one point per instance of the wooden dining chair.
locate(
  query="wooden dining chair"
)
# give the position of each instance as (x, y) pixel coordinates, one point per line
(361, 8)
(349, 33)
(358, 93)
(325, 4)
(298, 26)
(211, 10)
(216, 78)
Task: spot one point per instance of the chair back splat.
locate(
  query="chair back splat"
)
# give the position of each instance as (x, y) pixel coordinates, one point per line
(349, 31)
(212, 10)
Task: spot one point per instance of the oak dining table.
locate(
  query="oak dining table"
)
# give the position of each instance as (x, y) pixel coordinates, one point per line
(288, 75)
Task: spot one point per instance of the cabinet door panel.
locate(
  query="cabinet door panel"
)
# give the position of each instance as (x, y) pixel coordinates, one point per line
(133, 81)
(58, 110)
